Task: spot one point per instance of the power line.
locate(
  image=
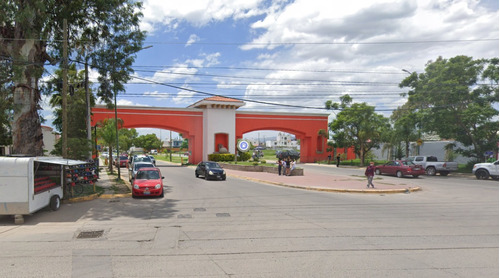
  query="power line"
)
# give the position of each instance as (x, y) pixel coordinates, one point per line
(326, 43)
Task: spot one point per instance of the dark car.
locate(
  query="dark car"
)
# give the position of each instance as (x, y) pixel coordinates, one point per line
(148, 182)
(400, 168)
(210, 170)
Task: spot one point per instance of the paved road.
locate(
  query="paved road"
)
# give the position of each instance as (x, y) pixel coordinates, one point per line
(239, 228)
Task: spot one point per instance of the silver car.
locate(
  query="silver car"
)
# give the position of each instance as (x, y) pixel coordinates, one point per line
(135, 167)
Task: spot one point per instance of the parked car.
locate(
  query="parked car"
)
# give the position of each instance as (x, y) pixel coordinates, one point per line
(400, 168)
(105, 155)
(210, 170)
(148, 182)
(138, 158)
(123, 161)
(485, 170)
(138, 165)
(154, 151)
(153, 160)
(433, 166)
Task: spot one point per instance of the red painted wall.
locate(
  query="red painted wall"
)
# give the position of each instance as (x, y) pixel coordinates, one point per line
(223, 139)
(189, 122)
(305, 127)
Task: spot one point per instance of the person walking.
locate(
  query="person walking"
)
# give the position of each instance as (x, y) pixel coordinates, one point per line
(280, 166)
(369, 173)
(338, 160)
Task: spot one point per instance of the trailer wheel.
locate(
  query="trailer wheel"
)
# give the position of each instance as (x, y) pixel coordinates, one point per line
(55, 202)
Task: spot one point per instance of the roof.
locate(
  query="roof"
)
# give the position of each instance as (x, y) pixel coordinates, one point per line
(218, 102)
(220, 98)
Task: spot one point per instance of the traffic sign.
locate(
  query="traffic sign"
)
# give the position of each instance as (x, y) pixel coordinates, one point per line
(243, 146)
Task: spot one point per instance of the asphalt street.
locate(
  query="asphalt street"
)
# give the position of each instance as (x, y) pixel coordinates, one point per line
(244, 228)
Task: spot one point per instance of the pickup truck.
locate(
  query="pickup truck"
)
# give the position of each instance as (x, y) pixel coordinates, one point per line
(433, 166)
(485, 170)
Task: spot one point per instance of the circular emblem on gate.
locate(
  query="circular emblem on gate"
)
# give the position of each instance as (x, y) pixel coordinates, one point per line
(243, 146)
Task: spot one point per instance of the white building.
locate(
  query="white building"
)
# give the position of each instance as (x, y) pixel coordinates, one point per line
(49, 139)
(283, 140)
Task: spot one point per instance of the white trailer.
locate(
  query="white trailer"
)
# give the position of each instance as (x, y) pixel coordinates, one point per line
(28, 184)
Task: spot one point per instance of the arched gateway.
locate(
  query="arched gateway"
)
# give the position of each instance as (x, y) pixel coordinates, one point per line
(215, 122)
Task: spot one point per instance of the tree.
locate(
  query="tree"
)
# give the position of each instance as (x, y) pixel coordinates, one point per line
(406, 128)
(6, 97)
(358, 125)
(126, 138)
(106, 32)
(107, 133)
(78, 144)
(148, 142)
(455, 98)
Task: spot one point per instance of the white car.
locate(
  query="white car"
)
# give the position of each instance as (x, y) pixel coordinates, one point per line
(485, 170)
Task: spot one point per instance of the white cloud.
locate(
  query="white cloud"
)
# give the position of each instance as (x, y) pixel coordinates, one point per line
(179, 71)
(192, 39)
(196, 12)
(184, 97)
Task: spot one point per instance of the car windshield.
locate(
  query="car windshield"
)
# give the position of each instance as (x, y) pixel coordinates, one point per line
(407, 163)
(123, 158)
(142, 159)
(142, 165)
(212, 165)
(148, 175)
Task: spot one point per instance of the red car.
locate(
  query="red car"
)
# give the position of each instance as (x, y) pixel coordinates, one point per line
(123, 161)
(400, 168)
(148, 182)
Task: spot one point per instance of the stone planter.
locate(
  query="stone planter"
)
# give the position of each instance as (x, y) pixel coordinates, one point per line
(260, 168)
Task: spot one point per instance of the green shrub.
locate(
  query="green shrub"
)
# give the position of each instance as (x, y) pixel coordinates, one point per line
(221, 157)
(263, 162)
(244, 156)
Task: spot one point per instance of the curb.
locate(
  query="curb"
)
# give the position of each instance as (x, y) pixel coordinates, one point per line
(338, 190)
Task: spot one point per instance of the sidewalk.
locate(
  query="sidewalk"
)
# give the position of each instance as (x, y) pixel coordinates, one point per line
(112, 189)
(330, 182)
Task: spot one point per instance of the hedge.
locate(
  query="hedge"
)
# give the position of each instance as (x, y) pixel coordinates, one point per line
(221, 157)
(229, 157)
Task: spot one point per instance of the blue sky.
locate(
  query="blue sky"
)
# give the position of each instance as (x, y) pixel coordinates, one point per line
(300, 53)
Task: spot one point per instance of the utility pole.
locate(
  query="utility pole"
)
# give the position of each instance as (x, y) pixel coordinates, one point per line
(65, 91)
(170, 146)
(117, 142)
(87, 95)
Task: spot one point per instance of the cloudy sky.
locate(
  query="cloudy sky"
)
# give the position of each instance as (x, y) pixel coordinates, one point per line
(303, 52)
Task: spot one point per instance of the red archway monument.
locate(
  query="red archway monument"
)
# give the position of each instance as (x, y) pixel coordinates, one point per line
(214, 122)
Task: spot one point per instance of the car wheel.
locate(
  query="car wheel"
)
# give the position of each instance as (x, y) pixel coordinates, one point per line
(206, 176)
(55, 202)
(399, 174)
(162, 193)
(377, 171)
(430, 171)
(482, 174)
(196, 174)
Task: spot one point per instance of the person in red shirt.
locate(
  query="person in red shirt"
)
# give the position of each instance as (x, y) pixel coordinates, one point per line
(369, 173)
